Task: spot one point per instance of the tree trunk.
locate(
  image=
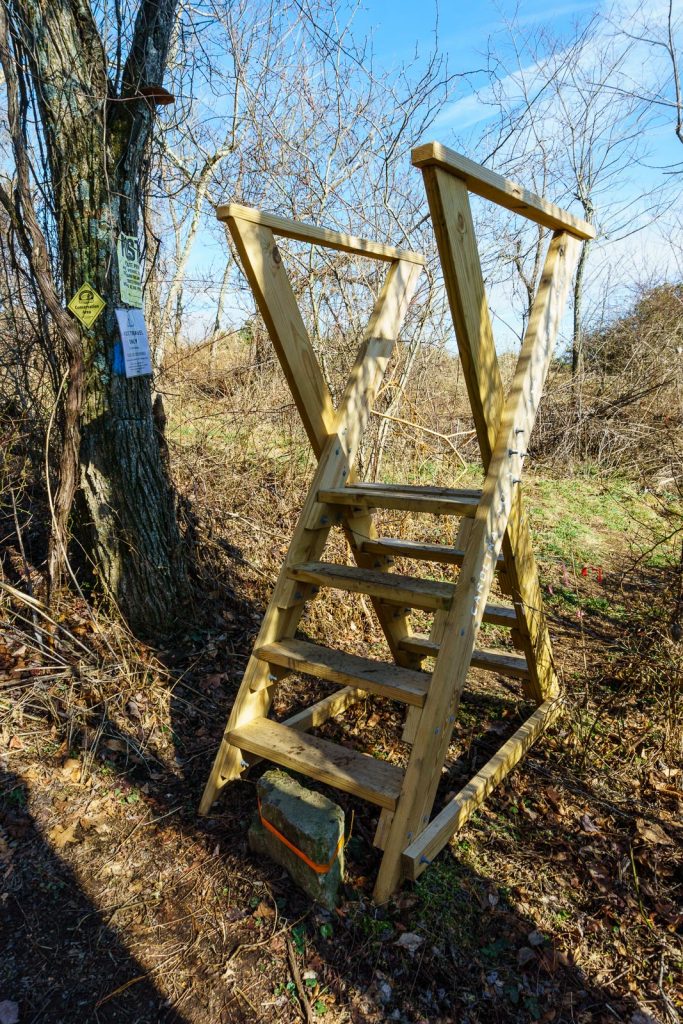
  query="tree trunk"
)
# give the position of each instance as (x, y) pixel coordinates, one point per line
(96, 145)
(217, 333)
(577, 334)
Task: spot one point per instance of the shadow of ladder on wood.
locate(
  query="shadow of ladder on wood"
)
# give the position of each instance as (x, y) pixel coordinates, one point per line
(496, 538)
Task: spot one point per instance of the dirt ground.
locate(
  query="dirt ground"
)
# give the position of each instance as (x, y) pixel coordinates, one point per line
(559, 902)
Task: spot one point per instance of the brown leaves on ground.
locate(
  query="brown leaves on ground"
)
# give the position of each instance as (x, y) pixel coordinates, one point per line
(562, 899)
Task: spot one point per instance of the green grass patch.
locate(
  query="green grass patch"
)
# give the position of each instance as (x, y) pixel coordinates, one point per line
(583, 520)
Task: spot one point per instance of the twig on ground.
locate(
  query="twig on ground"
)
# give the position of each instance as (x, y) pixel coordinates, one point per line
(307, 1012)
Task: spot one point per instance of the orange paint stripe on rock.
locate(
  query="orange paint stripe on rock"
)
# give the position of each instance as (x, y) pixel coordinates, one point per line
(320, 869)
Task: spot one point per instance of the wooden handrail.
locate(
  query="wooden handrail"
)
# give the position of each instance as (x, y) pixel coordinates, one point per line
(317, 236)
(490, 185)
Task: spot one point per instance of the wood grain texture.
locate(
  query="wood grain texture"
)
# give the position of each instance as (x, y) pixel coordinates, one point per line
(505, 663)
(454, 230)
(392, 587)
(420, 551)
(276, 302)
(509, 194)
(418, 855)
(286, 228)
(341, 767)
(383, 678)
(447, 503)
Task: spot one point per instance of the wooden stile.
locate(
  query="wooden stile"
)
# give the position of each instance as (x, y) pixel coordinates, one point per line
(493, 537)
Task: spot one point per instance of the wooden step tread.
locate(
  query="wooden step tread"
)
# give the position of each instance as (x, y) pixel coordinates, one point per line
(370, 485)
(346, 769)
(442, 502)
(388, 586)
(382, 678)
(410, 591)
(504, 662)
(393, 547)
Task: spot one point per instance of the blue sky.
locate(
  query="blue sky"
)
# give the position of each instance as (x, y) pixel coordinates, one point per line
(463, 28)
(465, 32)
(402, 28)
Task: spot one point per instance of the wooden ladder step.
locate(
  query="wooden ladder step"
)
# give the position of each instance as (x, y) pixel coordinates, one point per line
(505, 663)
(346, 769)
(437, 501)
(379, 677)
(410, 591)
(391, 547)
(407, 590)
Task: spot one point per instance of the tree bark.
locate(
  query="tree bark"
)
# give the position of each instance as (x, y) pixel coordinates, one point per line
(96, 143)
(577, 333)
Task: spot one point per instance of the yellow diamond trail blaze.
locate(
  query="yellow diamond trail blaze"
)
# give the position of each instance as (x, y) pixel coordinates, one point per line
(87, 305)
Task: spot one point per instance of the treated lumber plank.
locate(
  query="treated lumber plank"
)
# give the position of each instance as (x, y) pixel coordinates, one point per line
(474, 581)
(329, 707)
(385, 679)
(317, 714)
(421, 551)
(448, 503)
(454, 230)
(341, 767)
(326, 237)
(500, 190)
(407, 590)
(418, 855)
(427, 489)
(276, 302)
(499, 615)
(490, 659)
(393, 588)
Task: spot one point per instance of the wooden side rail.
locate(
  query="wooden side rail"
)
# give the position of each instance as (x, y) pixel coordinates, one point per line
(499, 190)
(317, 236)
(457, 811)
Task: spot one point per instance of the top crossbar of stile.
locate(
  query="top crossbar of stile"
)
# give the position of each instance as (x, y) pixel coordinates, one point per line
(498, 540)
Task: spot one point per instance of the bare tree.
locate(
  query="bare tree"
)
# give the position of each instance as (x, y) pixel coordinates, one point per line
(80, 118)
(662, 37)
(566, 124)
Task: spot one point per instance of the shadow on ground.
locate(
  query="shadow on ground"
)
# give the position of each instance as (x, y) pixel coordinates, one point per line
(167, 917)
(59, 960)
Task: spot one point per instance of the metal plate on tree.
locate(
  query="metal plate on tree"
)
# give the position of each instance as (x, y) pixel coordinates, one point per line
(87, 305)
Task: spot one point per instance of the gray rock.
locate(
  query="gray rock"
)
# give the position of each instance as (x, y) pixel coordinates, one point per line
(310, 822)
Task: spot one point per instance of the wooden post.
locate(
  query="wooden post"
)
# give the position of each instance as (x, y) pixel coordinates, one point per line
(486, 538)
(335, 439)
(452, 217)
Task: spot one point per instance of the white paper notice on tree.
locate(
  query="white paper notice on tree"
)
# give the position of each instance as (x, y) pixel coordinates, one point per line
(130, 284)
(134, 341)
